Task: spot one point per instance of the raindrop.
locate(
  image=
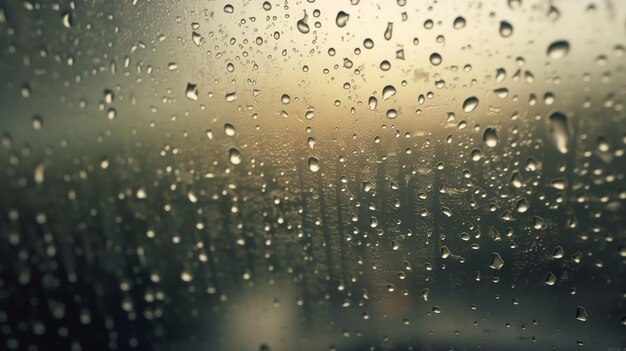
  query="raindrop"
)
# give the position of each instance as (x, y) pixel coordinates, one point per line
(506, 29)
(496, 261)
(388, 31)
(234, 156)
(558, 49)
(470, 104)
(267, 6)
(559, 131)
(229, 129)
(388, 92)
(372, 103)
(550, 279)
(229, 8)
(435, 59)
(342, 19)
(490, 137)
(302, 24)
(314, 164)
(521, 206)
(191, 92)
(285, 99)
(392, 113)
(581, 314)
(459, 22)
(368, 43)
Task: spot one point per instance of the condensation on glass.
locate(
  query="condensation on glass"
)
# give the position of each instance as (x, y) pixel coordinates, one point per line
(312, 175)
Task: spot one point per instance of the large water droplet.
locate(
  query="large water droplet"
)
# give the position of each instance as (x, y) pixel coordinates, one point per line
(342, 19)
(558, 49)
(490, 137)
(302, 24)
(496, 261)
(559, 131)
(506, 29)
(314, 164)
(388, 92)
(581, 314)
(470, 104)
(234, 156)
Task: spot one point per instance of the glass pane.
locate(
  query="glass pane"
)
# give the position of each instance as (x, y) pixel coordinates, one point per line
(312, 175)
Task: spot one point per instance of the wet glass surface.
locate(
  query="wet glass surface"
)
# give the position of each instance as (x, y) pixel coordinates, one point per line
(312, 175)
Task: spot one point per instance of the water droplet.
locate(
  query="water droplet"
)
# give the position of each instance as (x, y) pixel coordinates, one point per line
(435, 59)
(581, 314)
(521, 206)
(368, 43)
(388, 31)
(302, 24)
(559, 131)
(39, 173)
(314, 164)
(392, 113)
(191, 92)
(229, 129)
(388, 92)
(550, 279)
(558, 49)
(459, 22)
(229, 8)
(490, 137)
(558, 252)
(445, 252)
(267, 6)
(285, 99)
(342, 19)
(496, 261)
(37, 122)
(230, 97)
(470, 104)
(234, 156)
(385, 65)
(372, 103)
(506, 29)
(67, 19)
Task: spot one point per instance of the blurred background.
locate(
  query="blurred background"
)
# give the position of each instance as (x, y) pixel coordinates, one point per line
(312, 175)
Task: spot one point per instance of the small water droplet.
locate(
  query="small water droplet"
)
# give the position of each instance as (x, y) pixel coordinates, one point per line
(388, 31)
(459, 22)
(191, 92)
